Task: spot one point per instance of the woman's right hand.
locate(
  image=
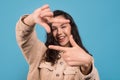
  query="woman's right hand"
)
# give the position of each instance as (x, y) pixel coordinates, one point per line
(42, 15)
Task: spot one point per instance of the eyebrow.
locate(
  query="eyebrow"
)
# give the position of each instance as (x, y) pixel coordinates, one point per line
(60, 25)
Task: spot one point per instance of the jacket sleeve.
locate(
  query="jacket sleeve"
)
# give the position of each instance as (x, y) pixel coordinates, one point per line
(93, 75)
(31, 47)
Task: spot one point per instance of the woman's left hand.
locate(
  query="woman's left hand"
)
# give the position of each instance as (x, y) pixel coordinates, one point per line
(75, 55)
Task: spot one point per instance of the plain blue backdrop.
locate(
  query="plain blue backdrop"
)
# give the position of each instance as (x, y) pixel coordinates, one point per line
(98, 23)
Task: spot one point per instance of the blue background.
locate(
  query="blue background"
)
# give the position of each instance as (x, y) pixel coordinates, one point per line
(99, 27)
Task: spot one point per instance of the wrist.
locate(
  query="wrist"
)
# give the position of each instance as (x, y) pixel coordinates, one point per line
(28, 20)
(86, 68)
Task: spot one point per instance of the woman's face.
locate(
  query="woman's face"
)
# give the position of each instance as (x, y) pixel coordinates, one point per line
(61, 32)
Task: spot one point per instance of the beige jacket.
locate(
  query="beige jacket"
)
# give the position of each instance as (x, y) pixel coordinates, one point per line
(34, 50)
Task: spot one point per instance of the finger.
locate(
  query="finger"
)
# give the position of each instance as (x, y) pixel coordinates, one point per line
(46, 26)
(55, 20)
(46, 10)
(73, 43)
(73, 63)
(61, 53)
(45, 7)
(46, 14)
(42, 9)
(59, 48)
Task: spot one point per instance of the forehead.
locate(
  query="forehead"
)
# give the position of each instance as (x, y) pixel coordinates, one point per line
(58, 17)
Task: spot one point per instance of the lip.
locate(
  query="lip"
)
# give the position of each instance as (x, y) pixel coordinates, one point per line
(61, 38)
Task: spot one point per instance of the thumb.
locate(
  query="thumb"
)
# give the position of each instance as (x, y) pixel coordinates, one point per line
(73, 43)
(46, 27)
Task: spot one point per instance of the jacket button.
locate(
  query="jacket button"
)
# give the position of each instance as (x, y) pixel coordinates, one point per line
(61, 63)
(57, 75)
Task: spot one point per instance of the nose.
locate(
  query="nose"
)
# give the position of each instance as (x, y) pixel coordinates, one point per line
(59, 31)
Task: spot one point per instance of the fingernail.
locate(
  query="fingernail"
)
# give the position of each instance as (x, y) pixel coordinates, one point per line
(49, 46)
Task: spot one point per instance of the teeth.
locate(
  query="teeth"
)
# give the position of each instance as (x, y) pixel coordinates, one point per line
(61, 37)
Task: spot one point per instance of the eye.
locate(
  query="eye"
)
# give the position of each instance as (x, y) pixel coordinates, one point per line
(53, 29)
(63, 27)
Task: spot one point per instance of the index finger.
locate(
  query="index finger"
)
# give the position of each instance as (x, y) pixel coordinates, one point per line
(58, 48)
(54, 20)
(44, 6)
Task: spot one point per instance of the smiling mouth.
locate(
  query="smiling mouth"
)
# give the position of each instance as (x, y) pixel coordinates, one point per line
(61, 38)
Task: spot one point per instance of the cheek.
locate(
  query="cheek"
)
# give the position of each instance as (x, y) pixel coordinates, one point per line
(54, 33)
(68, 31)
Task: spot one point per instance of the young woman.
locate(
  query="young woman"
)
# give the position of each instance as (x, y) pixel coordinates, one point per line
(63, 56)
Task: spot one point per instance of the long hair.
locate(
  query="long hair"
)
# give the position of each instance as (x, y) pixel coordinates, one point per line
(53, 55)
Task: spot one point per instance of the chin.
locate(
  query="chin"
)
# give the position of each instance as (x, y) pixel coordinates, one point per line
(65, 44)
(62, 45)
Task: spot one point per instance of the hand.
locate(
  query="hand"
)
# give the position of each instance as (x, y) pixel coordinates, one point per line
(41, 16)
(44, 15)
(75, 55)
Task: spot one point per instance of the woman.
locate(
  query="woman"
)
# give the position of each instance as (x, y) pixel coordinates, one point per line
(63, 56)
